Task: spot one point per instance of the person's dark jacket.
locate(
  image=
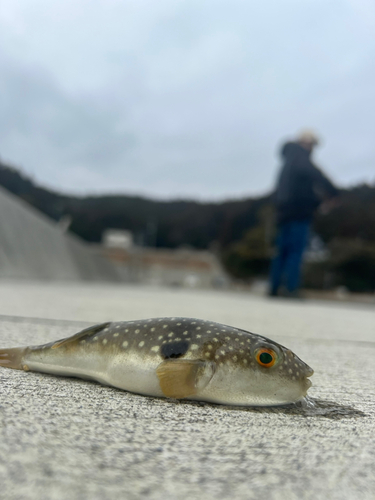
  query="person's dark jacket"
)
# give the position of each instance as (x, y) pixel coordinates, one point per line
(301, 186)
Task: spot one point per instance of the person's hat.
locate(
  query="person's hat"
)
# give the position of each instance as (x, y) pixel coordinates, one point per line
(309, 137)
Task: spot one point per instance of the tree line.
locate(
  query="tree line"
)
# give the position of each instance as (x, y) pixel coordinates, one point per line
(240, 231)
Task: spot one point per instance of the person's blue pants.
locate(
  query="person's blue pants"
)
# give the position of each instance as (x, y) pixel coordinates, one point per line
(292, 239)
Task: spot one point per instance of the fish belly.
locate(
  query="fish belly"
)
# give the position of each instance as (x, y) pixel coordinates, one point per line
(134, 376)
(128, 374)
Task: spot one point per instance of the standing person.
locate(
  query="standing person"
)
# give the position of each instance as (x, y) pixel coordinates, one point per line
(300, 189)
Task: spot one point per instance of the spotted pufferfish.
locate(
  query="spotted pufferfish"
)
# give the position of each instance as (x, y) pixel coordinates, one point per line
(179, 358)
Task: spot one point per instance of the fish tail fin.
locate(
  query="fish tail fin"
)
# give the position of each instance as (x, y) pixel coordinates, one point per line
(13, 358)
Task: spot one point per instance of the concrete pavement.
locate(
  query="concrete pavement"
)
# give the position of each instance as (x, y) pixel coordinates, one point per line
(66, 438)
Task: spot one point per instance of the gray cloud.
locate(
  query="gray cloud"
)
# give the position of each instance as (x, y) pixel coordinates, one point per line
(178, 98)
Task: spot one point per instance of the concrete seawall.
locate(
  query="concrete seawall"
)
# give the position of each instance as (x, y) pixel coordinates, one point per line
(32, 246)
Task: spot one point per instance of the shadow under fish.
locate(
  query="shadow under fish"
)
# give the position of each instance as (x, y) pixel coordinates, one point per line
(308, 407)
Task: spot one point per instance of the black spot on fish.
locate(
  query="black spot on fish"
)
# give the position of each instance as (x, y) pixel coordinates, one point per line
(174, 349)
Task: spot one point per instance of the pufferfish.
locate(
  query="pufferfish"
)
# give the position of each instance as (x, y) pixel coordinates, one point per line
(181, 358)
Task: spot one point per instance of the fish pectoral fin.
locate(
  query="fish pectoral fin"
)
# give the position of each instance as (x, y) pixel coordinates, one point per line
(180, 378)
(87, 332)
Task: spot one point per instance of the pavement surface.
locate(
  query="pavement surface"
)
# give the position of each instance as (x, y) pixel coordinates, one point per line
(71, 439)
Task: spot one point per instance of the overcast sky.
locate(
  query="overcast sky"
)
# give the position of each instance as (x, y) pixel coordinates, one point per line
(173, 98)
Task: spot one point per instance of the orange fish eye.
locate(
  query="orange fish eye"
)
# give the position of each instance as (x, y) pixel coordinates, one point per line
(266, 357)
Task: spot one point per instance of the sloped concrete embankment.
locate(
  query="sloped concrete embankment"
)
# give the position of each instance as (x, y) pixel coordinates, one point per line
(34, 247)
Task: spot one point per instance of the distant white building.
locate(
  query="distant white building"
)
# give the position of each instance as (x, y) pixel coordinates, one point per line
(117, 238)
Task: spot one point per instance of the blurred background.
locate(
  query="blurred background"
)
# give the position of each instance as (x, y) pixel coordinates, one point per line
(139, 141)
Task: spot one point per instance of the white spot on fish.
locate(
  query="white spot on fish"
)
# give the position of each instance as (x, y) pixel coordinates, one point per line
(207, 354)
(227, 338)
(170, 334)
(153, 329)
(290, 371)
(125, 344)
(178, 324)
(95, 338)
(155, 348)
(194, 347)
(141, 344)
(165, 326)
(199, 336)
(104, 341)
(234, 358)
(208, 331)
(137, 331)
(198, 328)
(126, 331)
(217, 356)
(245, 361)
(160, 337)
(215, 339)
(209, 346)
(185, 333)
(82, 342)
(116, 334)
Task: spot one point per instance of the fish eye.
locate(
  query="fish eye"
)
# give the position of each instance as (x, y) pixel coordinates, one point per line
(266, 357)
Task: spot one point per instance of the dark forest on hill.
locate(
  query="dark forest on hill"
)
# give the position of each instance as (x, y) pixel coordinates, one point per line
(240, 231)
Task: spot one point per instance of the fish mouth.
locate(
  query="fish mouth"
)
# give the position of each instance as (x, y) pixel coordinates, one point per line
(308, 384)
